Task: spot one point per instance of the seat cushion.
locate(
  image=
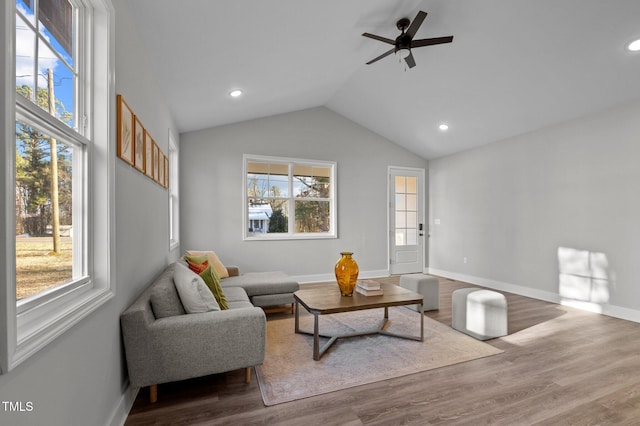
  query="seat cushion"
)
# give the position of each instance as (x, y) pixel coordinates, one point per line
(258, 283)
(237, 298)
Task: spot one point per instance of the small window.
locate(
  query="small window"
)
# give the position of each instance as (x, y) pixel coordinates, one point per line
(174, 194)
(289, 198)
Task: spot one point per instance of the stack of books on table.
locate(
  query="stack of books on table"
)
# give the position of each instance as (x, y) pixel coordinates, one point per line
(369, 288)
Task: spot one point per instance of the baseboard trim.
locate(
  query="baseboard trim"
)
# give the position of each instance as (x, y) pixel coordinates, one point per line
(320, 278)
(605, 309)
(121, 411)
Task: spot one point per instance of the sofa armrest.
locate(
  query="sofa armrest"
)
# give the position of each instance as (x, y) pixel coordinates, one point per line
(194, 345)
(233, 270)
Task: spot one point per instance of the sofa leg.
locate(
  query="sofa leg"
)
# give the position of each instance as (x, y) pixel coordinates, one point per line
(153, 393)
(292, 309)
(247, 375)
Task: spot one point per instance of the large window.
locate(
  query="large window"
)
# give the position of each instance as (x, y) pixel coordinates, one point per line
(289, 198)
(58, 150)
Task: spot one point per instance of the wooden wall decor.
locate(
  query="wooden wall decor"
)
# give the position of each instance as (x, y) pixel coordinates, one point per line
(137, 147)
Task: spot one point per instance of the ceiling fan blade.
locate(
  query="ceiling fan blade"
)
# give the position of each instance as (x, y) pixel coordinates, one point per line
(410, 61)
(431, 41)
(387, 53)
(417, 21)
(382, 39)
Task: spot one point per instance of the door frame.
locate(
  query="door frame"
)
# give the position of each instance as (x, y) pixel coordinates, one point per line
(422, 199)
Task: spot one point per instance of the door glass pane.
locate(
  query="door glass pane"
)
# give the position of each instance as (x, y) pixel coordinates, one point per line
(412, 220)
(411, 185)
(411, 202)
(400, 183)
(412, 237)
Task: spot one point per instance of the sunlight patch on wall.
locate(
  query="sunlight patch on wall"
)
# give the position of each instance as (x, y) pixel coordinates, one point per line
(584, 279)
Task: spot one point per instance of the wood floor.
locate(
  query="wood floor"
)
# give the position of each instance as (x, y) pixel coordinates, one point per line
(560, 366)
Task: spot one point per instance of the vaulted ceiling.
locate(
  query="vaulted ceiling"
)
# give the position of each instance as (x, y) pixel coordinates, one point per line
(514, 65)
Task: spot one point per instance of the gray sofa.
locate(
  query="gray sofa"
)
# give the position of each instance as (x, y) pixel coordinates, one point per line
(164, 344)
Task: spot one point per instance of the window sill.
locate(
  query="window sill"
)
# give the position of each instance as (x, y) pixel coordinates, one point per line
(274, 237)
(38, 327)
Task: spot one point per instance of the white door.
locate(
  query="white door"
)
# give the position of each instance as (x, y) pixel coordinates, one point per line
(406, 219)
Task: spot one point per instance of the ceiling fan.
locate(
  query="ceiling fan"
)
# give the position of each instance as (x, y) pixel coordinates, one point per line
(405, 42)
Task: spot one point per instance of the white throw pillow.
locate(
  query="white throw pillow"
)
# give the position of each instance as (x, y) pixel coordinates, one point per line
(194, 293)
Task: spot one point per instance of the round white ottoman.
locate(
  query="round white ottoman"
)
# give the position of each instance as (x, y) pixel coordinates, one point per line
(426, 285)
(479, 313)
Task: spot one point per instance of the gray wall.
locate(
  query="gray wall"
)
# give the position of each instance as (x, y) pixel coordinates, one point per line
(212, 193)
(80, 378)
(551, 214)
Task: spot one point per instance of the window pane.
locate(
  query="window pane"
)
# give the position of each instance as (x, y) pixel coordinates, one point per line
(25, 59)
(56, 26)
(401, 220)
(400, 184)
(312, 216)
(268, 216)
(267, 180)
(61, 99)
(401, 238)
(26, 8)
(311, 181)
(44, 212)
(54, 62)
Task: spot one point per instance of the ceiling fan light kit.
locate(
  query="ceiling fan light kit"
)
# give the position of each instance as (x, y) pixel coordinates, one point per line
(403, 44)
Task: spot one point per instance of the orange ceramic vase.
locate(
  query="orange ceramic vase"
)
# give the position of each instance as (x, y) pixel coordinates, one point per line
(346, 273)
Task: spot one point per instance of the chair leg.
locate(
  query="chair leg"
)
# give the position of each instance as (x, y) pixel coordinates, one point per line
(247, 375)
(153, 393)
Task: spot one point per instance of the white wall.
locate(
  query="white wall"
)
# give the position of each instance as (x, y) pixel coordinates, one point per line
(212, 192)
(80, 378)
(559, 205)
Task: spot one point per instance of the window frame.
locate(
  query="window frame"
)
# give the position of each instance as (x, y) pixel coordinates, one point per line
(290, 234)
(32, 323)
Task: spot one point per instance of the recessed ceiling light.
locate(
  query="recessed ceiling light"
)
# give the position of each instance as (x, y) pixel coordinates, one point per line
(443, 127)
(634, 46)
(235, 93)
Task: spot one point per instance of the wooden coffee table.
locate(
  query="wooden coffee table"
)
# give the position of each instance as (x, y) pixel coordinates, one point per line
(327, 300)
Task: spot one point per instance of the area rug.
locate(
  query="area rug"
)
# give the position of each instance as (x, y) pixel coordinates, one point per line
(290, 373)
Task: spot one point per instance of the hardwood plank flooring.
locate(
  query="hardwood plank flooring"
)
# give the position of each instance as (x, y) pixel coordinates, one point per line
(560, 366)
